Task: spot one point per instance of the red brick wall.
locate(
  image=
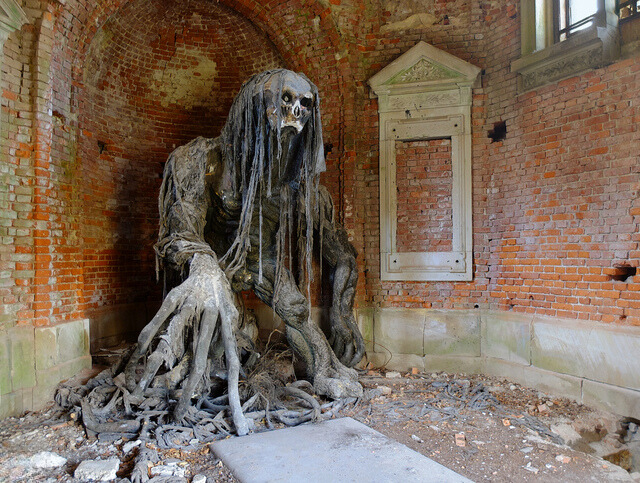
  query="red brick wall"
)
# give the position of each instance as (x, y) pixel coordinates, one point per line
(95, 96)
(462, 34)
(156, 76)
(17, 182)
(423, 178)
(555, 204)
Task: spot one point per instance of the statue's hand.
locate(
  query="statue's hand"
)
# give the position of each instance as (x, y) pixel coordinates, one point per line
(345, 339)
(202, 300)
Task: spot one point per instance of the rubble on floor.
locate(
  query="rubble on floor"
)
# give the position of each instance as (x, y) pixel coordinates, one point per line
(487, 429)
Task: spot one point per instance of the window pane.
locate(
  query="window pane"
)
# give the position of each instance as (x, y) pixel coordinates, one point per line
(581, 9)
(575, 15)
(540, 9)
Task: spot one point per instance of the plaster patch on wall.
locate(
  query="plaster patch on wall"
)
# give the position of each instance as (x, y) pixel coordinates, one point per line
(420, 14)
(415, 21)
(97, 67)
(187, 85)
(400, 9)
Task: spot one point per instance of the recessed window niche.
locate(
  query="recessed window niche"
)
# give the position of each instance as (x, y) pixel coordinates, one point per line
(424, 107)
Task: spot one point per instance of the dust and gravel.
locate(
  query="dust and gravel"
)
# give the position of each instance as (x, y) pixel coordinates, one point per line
(515, 433)
(488, 429)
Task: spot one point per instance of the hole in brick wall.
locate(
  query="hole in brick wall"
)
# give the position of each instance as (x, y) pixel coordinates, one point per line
(101, 146)
(621, 272)
(328, 147)
(499, 131)
(59, 116)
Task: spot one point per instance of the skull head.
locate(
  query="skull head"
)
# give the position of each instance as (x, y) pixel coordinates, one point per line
(292, 105)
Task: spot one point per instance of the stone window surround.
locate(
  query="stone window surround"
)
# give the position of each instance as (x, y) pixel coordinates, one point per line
(12, 17)
(544, 61)
(426, 94)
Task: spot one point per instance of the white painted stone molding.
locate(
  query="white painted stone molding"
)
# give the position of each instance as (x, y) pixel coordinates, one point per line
(545, 59)
(426, 94)
(12, 17)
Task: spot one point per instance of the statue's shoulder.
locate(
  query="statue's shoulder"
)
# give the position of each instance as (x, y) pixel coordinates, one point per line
(200, 155)
(198, 149)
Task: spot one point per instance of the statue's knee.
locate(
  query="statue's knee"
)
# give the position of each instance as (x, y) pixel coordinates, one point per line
(294, 313)
(299, 311)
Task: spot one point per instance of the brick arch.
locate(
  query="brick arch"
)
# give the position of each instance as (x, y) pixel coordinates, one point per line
(99, 177)
(302, 32)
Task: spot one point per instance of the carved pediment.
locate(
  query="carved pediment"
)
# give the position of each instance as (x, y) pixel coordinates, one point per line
(423, 66)
(12, 17)
(424, 70)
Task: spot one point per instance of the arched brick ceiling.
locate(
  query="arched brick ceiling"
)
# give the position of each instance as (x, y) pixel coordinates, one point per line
(160, 73)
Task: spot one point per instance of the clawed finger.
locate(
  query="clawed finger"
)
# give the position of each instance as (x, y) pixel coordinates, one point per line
(169, 305)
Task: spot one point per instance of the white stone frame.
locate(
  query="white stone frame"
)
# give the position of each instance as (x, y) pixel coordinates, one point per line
(426, 94)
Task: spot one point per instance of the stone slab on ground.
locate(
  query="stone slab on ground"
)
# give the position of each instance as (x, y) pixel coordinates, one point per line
(342, 450)
(97, 470)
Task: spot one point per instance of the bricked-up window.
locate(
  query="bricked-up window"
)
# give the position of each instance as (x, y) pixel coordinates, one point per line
(424, 109)
(628, 9)
(424, 179)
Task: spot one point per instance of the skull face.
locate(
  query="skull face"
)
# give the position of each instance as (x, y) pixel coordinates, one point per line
(294, 104)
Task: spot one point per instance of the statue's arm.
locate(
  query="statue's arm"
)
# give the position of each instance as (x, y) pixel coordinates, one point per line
(203, 300)
(183, 203)
(340, 255)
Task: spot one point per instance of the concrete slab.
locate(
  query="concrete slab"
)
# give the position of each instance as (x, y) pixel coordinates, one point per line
(341, 450)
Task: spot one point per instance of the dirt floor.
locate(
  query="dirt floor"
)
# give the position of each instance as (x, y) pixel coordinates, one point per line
(507, 441)
(485, 428)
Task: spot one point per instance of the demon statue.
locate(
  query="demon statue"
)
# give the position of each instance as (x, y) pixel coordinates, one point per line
(234, 211)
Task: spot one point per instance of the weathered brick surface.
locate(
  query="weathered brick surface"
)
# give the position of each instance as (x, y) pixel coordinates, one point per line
(174, 80)
(17, 178)
(555, 204)
(95, 94)
(463, 33)
(424, 176)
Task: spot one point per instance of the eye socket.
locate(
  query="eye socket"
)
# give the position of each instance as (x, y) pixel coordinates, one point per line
(306, 102)
(286, 97)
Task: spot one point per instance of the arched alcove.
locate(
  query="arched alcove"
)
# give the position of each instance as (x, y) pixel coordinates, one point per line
(156, 75)
(132, 81)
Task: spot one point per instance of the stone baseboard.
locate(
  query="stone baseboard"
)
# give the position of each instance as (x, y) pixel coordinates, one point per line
(592, 363)
(33, 360)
